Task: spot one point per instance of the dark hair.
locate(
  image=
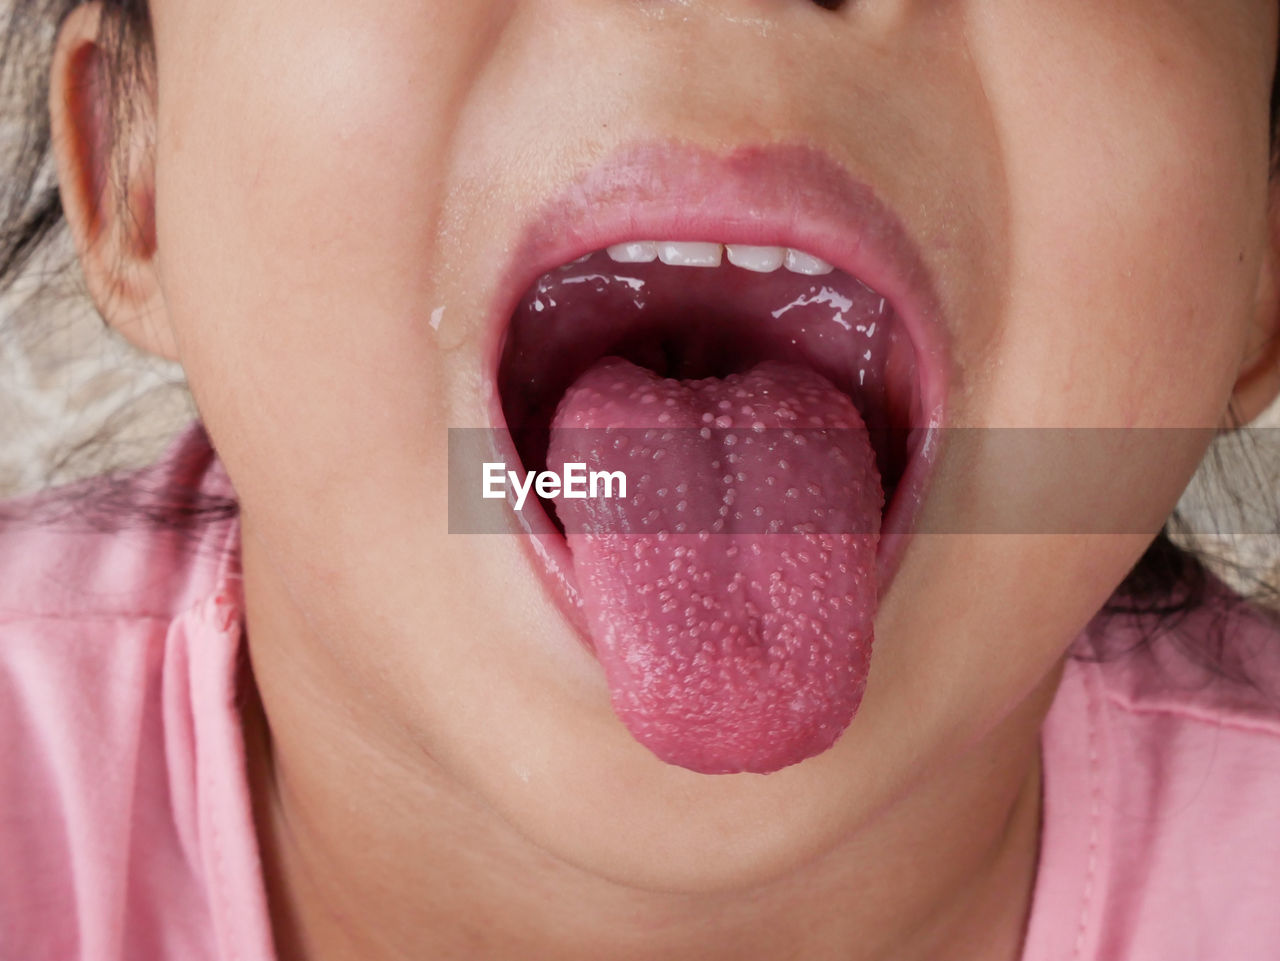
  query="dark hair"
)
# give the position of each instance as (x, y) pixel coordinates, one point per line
(1166, 584)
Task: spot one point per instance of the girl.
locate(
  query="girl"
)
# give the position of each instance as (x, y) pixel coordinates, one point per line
(286, 705)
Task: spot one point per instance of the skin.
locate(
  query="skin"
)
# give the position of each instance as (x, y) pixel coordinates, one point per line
(437, 774)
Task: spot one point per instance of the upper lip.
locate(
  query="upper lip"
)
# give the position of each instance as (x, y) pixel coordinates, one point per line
(786, 195)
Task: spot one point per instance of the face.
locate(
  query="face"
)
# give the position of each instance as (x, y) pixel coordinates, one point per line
(343, 194)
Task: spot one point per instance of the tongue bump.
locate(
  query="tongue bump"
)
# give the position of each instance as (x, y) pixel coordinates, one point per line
(746, 649)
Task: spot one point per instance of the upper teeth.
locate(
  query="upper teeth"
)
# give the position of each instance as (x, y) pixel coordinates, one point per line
(698, 254)
(636, 252)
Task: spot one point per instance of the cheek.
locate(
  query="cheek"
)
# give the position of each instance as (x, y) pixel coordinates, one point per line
(301, 173)
(1135, 166)
(1133, 141)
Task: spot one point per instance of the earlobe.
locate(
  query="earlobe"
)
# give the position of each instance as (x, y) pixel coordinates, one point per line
(107, 187)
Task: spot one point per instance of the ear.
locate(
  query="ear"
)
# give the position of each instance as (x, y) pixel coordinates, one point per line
(112, 222)
(1258, 383)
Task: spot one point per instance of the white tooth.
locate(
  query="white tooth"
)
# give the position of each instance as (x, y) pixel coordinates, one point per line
(634, 252)
(802, 263)
(690, 254)
(762, 260)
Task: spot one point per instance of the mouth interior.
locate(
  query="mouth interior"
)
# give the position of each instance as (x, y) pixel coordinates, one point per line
(690, 323)
(749, 651)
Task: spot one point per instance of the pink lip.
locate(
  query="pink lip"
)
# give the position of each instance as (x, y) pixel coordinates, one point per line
(789, 195)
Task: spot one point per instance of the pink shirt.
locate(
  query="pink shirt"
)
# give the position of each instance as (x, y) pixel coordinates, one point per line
(125, 825)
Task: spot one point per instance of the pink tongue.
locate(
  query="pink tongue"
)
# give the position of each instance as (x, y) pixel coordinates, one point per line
(730, 594)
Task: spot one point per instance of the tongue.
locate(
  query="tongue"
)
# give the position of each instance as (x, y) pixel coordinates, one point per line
(730, 594)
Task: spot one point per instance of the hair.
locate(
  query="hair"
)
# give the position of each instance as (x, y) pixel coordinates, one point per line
(1167, 583)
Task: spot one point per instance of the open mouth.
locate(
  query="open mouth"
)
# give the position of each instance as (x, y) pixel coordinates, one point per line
(696, 310)
(775, 413)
